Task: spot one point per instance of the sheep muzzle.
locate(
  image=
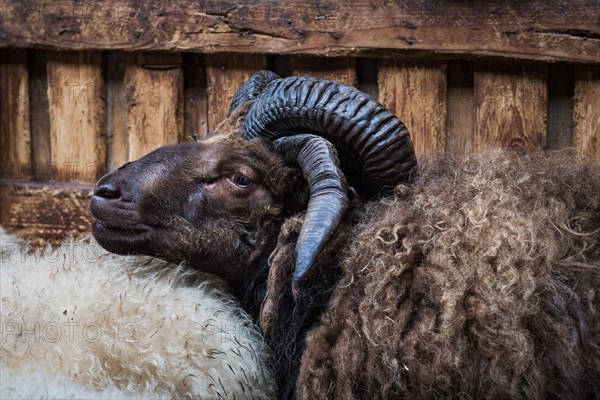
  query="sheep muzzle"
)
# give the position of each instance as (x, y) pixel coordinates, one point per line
(118, 226)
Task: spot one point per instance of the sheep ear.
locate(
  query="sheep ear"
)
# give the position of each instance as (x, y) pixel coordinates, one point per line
(251, 89)
(328, 195)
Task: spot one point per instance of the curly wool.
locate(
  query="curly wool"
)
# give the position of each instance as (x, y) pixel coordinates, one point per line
(78, 322)
(479, 280)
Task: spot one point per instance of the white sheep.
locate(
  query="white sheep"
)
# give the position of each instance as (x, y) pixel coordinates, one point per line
(78, 322)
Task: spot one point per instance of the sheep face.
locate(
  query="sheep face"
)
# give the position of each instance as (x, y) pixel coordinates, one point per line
(212, 204)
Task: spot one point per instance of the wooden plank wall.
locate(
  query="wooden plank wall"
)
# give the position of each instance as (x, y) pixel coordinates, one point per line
(68, 117)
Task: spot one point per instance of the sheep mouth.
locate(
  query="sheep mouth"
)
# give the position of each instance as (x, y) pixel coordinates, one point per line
(118, 226)
(119, 239)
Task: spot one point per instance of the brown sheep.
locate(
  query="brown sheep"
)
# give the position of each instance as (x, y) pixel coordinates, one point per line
(474, 278)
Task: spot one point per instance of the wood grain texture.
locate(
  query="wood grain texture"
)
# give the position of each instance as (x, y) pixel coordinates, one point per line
(340, 69)
(77, 115)
(154, 92)
(225, 74)
(557, 30)
(460, 120)
(415, 91)
(511, 106)
(45, 212)
(586, 135)
(15, 134)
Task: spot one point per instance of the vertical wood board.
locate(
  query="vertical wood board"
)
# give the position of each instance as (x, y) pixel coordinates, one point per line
(586, 134)
(225, 74)
(15, 134)
(415, 91)
(154, 92)
(77, 115)
(511, 106)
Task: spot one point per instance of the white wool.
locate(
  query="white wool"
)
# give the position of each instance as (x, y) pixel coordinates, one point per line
(78, 322)
(40, 385)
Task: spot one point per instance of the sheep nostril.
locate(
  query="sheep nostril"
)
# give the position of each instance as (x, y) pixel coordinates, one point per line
(108, 191)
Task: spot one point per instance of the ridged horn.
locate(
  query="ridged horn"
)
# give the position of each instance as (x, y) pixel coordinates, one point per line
(375, 147)
(328, 194)
(252, 88)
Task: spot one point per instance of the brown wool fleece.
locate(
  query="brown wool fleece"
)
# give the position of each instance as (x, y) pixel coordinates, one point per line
(479, 280)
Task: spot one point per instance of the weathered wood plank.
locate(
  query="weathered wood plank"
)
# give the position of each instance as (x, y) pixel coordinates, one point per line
(557, 30)
(340, 69)
(76, 107)
(154, 91)
(15, 135)
(460, 121)
(416, 93)
(225, 74)
(40, 117)
(117, 136)
(195, 96)
(586, 135)
(511, 106)
(45, 212)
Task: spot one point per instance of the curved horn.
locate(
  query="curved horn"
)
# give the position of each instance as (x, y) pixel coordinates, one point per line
(251, 88)
(373, 142)
(328, 197)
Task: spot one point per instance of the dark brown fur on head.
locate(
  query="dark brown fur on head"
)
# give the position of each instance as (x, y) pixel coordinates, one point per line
(216, 204)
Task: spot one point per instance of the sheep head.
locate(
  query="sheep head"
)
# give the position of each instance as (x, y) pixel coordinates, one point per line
(211, 204)
(214, 203)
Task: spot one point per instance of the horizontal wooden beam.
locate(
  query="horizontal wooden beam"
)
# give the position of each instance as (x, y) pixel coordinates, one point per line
(43, 212)
(548, 30)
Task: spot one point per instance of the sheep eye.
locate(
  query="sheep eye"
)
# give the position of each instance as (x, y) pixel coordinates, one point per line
(241, 181)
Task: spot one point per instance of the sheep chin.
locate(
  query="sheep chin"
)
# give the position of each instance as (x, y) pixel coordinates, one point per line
(122, 241)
